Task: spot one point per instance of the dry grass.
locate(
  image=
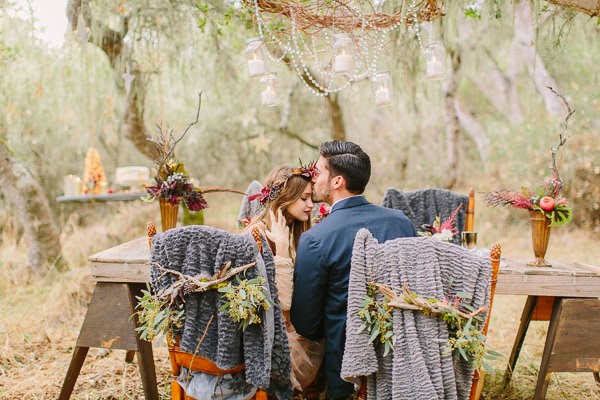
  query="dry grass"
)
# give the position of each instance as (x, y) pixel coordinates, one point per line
(40, 316)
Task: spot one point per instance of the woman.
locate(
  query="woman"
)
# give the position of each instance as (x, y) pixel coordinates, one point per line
(287, 201)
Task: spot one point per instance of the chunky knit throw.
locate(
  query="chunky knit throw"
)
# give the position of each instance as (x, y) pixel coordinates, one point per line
(423, 205)
(202, 251)
(249, 209)
(416, 369)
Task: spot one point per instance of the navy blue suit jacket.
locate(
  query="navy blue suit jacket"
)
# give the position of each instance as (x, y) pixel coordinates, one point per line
(321, 276)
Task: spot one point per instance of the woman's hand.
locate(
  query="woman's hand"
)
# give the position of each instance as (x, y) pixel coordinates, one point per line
(279, 233)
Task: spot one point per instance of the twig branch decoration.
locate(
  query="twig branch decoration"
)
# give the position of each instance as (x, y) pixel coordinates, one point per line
(170, 142)
(194, 284)
(562, 136)
(311, 17)
(412, 301)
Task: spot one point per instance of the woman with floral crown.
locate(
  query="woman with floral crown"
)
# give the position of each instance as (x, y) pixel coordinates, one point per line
(287, 201)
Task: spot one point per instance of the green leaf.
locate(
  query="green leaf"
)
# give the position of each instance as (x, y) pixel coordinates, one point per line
(464, 295)
(463, 354)
(361, 328)
(387, 349)
(374, 335)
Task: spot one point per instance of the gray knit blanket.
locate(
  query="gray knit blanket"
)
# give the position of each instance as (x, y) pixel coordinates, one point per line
(417, 368)
(249, 209)
(423, 205)
(200, 250)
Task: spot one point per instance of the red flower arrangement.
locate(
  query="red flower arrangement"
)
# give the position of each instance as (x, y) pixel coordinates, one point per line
(177, 187)
(546, 200)
(173, 183)
(443, 231)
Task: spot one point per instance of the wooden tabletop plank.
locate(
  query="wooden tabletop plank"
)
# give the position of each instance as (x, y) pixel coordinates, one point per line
(127, 262)
(135, 251)
(101, 198)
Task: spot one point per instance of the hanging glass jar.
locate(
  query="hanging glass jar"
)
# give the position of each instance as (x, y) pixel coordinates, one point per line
(343, 49)
(256, 59)
(382, 88)
(435, 54)
(268, 96)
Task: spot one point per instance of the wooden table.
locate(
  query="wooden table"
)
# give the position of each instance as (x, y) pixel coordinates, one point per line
(100, 198)
(122, 271)
(107, 323)
(565, 294)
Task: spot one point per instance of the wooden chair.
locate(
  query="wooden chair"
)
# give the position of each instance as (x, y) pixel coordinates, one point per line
(180, 358)
(469, 226)
(495, 253)
(423, 205)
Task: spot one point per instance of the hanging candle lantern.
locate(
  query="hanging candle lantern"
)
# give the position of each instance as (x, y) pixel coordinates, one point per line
(268, 96)
(435, 54)
(382, 87)
(343, 46)
(256, 59)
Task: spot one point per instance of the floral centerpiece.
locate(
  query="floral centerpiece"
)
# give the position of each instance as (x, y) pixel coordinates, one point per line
(546, 200)
(173, 185)
(442, 230)
(546, 205)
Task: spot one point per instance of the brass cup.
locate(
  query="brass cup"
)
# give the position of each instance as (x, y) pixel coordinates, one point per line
(469, 239)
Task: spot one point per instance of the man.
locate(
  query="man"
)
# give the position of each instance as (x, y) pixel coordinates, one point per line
(323, 257)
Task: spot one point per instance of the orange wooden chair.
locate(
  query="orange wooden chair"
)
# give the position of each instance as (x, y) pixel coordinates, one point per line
(180, 358)
(495, 253)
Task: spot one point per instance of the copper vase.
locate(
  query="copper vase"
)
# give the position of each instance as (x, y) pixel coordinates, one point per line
(540, 235)
(168, 214)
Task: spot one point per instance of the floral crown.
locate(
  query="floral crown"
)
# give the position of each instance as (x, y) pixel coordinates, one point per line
(270, 192)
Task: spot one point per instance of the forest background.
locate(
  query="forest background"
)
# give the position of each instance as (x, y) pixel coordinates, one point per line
(489, 125)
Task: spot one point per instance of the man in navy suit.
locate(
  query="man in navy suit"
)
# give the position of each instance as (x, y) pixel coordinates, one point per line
(322, 269)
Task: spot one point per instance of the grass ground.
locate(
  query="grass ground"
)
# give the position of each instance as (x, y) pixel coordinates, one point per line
(40, 315)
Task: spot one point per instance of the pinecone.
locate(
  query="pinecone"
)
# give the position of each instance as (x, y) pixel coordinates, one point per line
(151, 232)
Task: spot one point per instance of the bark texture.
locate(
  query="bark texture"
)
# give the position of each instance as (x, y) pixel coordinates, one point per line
(453, 133)
(31, 206)
(111, 42)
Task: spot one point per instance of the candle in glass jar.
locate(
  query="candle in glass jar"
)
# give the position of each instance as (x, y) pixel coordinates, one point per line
(268, 97)
(382, 95)
(256, 66)
(435, 69)
(343, 63)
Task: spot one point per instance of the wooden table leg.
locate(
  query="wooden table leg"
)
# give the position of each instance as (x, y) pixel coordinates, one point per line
(77, 360)
(129, 356)
(144, 353)
(108, 325)
(516, 349)
(544, 374)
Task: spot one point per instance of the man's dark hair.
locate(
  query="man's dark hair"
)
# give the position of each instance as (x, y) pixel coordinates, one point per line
(348, 160)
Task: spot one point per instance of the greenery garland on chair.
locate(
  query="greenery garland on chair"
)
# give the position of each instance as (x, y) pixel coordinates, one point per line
(161, 313)
(466, 337)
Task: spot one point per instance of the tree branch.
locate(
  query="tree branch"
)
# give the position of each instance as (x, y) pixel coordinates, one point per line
(562, 136)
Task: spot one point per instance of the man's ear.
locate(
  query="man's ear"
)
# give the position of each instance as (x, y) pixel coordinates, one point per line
(338, 182)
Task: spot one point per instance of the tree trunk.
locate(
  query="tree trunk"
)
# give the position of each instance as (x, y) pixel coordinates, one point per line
(589, 7)
(111, 43)
(452, 123)
(338, 128)
(33, 211)
(473, 128)
(524, 49)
